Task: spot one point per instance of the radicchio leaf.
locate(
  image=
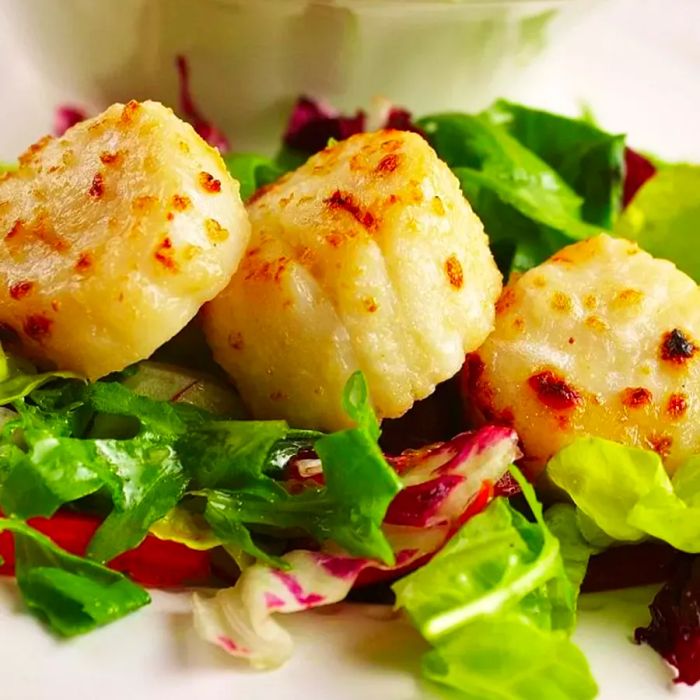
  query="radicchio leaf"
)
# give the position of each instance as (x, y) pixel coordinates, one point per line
(444, 485)
(205, 128)
(313, 123)
(674, 630)
(638, 170)
(67, 116)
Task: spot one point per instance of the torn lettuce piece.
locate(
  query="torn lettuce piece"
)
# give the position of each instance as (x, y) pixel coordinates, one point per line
(663, 217)
(626, 492)
(71, 594)
(252, 171)
(508, 657)
(500, 572)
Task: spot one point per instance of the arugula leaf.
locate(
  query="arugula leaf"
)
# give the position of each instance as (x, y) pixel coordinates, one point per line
(252, 171)
(626, 492)
(7, 167)
(348, 509)
(145, 480)
(71, 594)
(498, 582)
(588, 159)
(52, 472)
(230, 454)
(663, 217)
(142, 474)
(528, 210)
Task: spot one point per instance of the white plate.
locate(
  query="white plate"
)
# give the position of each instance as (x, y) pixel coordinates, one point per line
(635, 63)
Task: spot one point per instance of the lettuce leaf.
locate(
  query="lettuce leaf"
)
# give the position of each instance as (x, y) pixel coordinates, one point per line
(528, 209)
(498, 585)
(626, 492)
(588, 159)
(663, 217)
(508, 657)
(252, 171)
(71, 594)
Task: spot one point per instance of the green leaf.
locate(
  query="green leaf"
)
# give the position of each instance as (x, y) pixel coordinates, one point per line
(54, 471)
(18, 387)
(229, 519)
(588, 159)
(230, 454)
(527, 208)
(252, 171)
(663, 217)
(510, 658)
(145, 480)
(575, 549)
(626, 492)
(498, 583)
(72, 595)
(348, 509)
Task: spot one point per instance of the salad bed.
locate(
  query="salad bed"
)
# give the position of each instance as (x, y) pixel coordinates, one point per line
(126, 481)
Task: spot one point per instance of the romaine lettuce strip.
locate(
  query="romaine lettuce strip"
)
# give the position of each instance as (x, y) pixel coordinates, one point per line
(71, 594)
(498, 586)
(626, 492)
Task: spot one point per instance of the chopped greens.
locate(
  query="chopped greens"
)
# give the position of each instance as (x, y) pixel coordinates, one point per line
(138, 457)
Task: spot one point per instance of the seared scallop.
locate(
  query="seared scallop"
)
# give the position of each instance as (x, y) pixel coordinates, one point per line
(367, 257)
(602, 339)
(113, 236)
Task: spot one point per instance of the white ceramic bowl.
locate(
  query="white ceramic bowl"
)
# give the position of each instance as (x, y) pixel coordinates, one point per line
(250, 59)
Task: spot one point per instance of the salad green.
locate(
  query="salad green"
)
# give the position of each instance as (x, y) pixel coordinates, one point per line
(627, 493)
(492, 582)
(501, 572)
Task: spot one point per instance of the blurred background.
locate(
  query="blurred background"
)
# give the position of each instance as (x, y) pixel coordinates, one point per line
(632, 63)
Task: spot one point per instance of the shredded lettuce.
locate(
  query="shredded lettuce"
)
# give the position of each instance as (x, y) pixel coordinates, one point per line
(71, 594)
(498, 586)
(626, 492)
(663, 217)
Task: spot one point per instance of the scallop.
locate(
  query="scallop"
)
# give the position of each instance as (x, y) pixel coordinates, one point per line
(367, 257)
(113, 236)
(602, 339)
